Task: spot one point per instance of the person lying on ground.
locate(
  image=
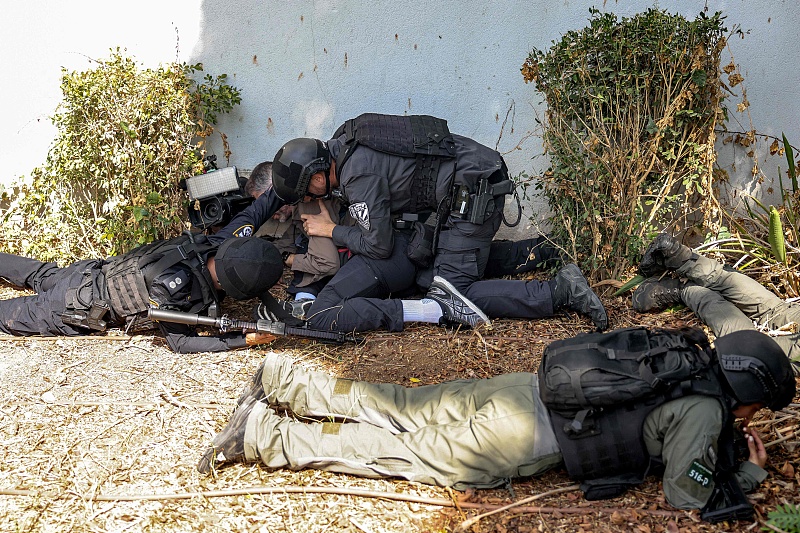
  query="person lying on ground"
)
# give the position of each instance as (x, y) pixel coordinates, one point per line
(726, 299)
(188, 273)
(482, 432)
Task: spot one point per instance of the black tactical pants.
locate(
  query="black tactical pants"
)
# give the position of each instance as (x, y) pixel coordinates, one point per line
(40, 314)
(357, 298)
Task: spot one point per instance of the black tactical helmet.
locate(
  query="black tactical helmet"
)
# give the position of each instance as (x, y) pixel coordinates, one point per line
(756, 369)
(293, 166)
(248, 266)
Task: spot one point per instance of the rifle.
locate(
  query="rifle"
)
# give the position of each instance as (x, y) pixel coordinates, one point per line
(272, 327)
(728, 501)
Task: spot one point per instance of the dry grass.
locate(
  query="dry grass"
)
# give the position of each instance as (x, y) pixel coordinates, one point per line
(82, 420)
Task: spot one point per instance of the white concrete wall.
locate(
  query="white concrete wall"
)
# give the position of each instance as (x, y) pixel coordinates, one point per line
(305, 66)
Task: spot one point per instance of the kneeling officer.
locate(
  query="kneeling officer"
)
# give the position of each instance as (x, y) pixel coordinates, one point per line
(185, 273)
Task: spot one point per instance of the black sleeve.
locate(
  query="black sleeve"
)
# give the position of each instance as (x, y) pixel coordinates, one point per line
(245, 223)
(184, 339)
(370, 206)
(172, 290)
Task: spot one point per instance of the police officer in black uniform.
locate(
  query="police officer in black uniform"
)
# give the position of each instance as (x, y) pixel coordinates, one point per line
(186, 274)
(395, 173)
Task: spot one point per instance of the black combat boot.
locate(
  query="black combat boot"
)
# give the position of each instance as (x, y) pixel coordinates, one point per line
(572, 291)
(228, 446)
(654, 294)
(456, 308)
(664, 254)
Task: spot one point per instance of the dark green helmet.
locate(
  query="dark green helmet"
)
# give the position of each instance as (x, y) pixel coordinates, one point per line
(756, 369)
(293, 166)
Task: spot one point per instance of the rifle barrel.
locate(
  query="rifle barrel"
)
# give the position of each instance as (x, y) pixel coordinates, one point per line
(180, 317)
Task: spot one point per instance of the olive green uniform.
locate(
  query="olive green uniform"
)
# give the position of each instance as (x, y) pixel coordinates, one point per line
(466, 433)
(728, 301)
(684, 433)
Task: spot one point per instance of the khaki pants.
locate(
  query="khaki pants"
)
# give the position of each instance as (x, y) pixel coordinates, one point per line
(730, 301)
(468, 433)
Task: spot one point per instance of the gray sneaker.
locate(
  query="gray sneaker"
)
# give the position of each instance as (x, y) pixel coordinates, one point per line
(573, 292)
(456, 308)
(228, 446)
(654, 294)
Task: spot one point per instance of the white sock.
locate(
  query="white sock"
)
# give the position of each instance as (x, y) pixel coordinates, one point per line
(425, 310)
(304, 295)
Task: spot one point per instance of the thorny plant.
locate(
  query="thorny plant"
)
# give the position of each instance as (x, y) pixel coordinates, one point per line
(631, 109)
(126, 136)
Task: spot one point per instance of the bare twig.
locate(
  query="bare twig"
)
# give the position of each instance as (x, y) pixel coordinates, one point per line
(6, 338)
(475, 519)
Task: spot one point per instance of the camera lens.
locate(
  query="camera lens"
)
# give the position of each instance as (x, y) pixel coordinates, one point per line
(211, 210)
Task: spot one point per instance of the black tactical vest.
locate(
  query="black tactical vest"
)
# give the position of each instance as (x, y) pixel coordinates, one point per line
(423, 137)
(129, 276)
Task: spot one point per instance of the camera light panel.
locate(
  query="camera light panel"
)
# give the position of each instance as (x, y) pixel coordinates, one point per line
(212, 183)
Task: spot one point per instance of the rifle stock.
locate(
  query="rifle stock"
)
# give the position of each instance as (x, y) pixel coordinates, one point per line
(728, 501)
(273, 327)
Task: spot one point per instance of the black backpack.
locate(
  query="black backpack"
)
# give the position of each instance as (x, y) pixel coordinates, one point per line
(600, 387)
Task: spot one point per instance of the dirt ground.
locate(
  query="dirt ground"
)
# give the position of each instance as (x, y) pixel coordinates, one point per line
(103, 434)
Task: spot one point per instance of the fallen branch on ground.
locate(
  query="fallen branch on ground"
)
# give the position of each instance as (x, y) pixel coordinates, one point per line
(333, 490)
(475, 519)
(65, 337)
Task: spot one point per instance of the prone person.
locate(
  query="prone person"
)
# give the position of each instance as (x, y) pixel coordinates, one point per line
(481, 432)
(189, 273)
(727, 300)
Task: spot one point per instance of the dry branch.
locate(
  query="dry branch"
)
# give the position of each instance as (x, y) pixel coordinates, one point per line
(494, 508)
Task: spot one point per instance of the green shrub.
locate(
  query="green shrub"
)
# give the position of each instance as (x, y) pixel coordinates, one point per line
(126, 136)
(629, 131)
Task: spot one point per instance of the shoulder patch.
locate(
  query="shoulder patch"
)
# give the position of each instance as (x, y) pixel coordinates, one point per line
(360, 213)
(243, 231)
(699, 474)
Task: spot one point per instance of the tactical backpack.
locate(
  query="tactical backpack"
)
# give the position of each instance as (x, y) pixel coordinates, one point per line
(600, 387)
(423, 137)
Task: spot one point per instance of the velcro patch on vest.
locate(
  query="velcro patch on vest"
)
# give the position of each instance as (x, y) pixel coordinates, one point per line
(175, 282)
(342, 386)
(360, 213)
(699, 474)
(331, 428)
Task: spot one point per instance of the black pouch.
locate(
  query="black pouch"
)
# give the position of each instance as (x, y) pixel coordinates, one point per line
(420, 245)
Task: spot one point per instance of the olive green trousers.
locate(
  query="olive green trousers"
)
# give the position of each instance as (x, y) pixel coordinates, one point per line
(467, 433)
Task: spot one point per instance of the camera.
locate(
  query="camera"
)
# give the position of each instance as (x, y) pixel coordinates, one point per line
(216, 197)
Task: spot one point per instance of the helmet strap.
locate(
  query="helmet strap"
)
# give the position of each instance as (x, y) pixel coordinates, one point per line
(327, 194)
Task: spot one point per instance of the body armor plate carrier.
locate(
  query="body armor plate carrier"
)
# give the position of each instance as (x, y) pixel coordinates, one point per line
(129, 276)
